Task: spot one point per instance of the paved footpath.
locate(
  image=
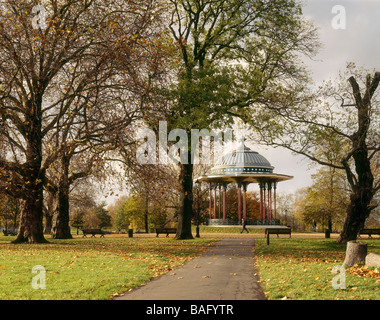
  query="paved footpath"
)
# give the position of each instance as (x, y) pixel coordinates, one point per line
(225, 272)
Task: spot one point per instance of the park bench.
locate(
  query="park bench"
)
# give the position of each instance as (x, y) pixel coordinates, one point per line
(93, 232)
(165, 230)
(278, 231)
(370, 232)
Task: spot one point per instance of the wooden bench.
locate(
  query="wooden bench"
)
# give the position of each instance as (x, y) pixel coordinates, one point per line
(93, 232)
(279, 231)
(165, 230)
(370, 232)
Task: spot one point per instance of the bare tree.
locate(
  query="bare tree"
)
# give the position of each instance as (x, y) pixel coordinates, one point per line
(338, 127)
(67, 66)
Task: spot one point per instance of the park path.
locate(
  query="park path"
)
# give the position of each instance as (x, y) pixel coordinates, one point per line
(225, 272)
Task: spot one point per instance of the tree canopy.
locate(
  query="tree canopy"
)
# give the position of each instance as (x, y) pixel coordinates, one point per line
(232, 54)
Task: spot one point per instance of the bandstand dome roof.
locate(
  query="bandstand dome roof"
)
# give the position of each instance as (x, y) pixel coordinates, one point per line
(242, 160)
(243, 165)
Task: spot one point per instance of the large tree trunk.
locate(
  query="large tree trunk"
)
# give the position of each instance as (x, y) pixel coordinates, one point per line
(61, 224)
(31, 228)
(186, 206)
(359, 208)
(363, 184)
(357, 213)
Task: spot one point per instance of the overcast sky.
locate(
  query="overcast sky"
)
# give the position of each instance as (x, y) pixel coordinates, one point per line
(359, 42)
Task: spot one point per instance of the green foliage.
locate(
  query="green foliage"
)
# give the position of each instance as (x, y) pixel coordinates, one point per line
(77, 220)
(121, 220)
(158, 217)
(102, 214)
(130, 214)
(327, 198)
(9, 210)
(234, 54)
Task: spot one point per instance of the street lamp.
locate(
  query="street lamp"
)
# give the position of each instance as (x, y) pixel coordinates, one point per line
(197, 183)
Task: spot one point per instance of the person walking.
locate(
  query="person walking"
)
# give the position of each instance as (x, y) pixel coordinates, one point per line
(314, 225)
(244, 223)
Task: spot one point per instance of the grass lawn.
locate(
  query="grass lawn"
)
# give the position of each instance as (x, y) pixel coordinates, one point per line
(88, 268)
(301, 269)
(85, 268)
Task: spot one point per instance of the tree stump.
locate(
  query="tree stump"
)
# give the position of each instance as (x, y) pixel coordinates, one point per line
(372, 260)
(356, 253)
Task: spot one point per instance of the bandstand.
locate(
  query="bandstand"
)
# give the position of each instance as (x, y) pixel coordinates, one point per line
(242, 167)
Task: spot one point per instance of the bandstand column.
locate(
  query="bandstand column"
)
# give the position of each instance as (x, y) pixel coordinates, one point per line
(245, 201)
(239, 201)
(270, 200)
(220, 199)
(224, 201)
(264, 201)
(210, 202)
(274, 198)
(261, 200)
(215, 186)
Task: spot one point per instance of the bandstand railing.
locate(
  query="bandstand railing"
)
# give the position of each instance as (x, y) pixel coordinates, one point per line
(254, 222)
